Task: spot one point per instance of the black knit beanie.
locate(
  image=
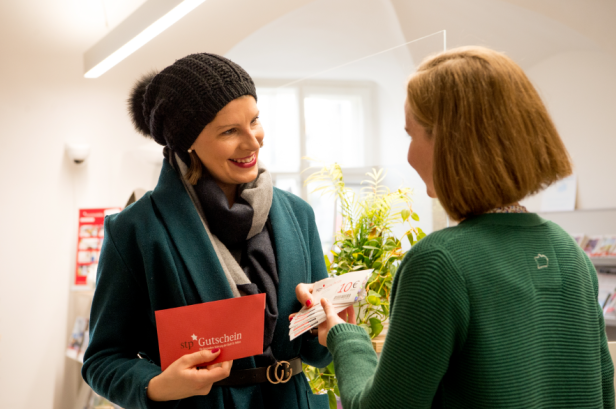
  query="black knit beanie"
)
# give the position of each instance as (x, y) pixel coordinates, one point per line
(175, 105)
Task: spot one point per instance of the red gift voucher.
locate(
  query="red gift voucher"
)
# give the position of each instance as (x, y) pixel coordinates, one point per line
(234, 325)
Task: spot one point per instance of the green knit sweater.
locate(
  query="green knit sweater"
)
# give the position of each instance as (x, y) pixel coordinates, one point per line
(500, 311)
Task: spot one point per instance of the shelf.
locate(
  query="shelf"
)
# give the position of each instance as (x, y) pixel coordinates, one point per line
(84, 293)
(604, 261)
(610, 321)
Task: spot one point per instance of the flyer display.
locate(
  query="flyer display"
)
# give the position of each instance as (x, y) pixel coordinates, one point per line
(90, 236)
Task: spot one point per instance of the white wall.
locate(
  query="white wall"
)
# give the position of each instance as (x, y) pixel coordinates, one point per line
(579, 88)
(44, 103)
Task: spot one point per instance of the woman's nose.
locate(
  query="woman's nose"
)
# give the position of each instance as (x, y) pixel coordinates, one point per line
(254, 139)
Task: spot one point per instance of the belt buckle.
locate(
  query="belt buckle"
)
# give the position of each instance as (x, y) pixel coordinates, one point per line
(283, 377)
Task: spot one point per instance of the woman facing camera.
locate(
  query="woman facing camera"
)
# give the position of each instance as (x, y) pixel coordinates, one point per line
(501, 310)
(213, 228)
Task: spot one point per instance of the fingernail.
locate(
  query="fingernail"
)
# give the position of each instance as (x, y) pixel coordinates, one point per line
(291, 318)
(308, 303)
(215, 350)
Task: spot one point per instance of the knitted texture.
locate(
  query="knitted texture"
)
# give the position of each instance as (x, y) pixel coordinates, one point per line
(175, 105)
(500, 311)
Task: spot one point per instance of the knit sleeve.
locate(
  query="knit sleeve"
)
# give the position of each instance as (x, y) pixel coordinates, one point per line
(428, 324)
(111, 365)
(607, 366)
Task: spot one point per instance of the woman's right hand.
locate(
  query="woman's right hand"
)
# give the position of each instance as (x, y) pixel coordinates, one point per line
(303, 292)
(182, 379)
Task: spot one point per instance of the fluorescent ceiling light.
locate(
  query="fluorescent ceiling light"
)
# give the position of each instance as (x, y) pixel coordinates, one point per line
(142, 38)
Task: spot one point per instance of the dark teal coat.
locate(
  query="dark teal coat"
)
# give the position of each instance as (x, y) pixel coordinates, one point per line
(157, 255)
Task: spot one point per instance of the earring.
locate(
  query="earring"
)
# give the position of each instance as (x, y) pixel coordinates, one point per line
(190, 151)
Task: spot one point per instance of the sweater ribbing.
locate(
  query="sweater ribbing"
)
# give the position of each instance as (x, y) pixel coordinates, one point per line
(498, 312)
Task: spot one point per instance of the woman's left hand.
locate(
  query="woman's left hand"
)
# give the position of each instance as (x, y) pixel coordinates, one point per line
(346, 315)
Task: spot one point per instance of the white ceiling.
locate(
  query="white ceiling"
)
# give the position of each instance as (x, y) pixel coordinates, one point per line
(62, 27)
(59, 26)
(591, 18)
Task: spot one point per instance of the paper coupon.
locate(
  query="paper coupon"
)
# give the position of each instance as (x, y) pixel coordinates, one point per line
(341, 291)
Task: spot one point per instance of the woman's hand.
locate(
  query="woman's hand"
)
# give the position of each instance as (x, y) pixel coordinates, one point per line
(182, 379)
(346, 315)
(303, 292)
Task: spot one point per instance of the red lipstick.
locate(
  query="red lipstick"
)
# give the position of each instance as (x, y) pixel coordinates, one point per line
(245, 164)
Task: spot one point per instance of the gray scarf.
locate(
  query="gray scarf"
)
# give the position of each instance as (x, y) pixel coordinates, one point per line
(258, 194)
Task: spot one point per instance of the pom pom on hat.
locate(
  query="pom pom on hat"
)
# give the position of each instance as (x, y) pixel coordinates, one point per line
(135, 104)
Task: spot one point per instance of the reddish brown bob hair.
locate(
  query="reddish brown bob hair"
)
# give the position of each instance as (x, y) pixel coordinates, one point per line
(494, 141)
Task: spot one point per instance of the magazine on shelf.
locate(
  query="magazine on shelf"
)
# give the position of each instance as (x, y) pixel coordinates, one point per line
(609, 305)
(606, 246)
(84, 345)
(580, 239)
(76, 339)
(603, 246)
(593, 241)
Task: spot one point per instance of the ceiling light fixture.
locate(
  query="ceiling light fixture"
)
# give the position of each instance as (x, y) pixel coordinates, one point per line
(138, 27)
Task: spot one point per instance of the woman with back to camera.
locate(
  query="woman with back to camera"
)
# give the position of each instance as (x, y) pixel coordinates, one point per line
(213, 228)
(500, 311)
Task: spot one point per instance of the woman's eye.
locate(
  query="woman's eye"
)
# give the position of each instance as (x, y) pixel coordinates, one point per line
(229, 131)
(254, 121)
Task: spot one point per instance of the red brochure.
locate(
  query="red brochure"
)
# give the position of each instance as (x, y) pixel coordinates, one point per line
(235, 325)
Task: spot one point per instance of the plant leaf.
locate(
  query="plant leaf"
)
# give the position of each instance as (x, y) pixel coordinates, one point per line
(405, 213)
(415, 216)
(410, 237)
(376, 326)
(374, 300)
(333, 404)
(367, 328)
(385, 310)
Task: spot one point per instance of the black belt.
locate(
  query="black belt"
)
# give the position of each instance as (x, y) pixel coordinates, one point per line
(280, 372)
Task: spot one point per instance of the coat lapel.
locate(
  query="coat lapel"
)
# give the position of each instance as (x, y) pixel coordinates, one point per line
(186, 231)
(293, 268)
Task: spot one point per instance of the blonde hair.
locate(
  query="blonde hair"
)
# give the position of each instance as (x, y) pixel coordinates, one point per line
(193, 174)
(494, 141)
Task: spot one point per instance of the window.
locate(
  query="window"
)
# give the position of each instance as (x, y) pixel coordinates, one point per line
(330, 122)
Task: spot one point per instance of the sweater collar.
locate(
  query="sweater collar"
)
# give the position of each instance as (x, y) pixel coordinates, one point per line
(507, 219)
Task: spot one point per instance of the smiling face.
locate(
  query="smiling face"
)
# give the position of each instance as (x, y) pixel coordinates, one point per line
(421, 150)
(229, 145)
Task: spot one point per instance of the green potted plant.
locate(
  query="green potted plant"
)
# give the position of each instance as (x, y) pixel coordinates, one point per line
(366, 241)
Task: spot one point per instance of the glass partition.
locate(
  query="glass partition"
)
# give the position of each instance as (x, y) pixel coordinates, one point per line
(350, 113)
